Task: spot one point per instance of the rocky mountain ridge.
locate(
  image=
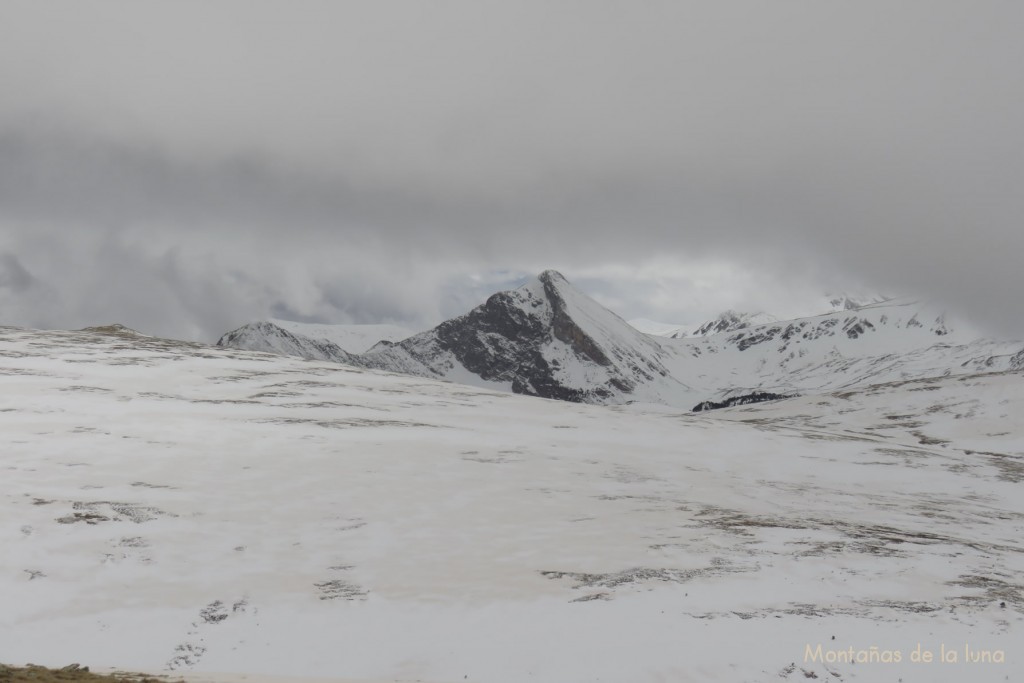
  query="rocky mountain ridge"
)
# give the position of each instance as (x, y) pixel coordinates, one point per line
(550, 340)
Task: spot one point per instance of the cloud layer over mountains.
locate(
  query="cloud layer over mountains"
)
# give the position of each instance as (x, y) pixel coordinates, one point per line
(186, 167)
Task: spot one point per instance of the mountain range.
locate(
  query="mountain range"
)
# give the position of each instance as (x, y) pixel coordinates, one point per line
(549, 339)
(229, 515)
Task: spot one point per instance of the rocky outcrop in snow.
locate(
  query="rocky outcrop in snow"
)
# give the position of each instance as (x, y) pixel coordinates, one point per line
(730, 321)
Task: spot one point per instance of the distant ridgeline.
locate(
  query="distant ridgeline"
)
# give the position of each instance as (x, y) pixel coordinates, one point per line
(755, 397)
(549, 339)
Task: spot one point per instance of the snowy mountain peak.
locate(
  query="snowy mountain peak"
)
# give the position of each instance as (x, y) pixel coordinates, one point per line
(845, 301)
(545, 338)
(553, 277)
(549, 339)
(271, 338)
(730, 321)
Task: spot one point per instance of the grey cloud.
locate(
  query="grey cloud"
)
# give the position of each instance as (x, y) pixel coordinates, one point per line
(282, 311)
(13, 275)
(200, 288)
(368, 163)
(53, 176)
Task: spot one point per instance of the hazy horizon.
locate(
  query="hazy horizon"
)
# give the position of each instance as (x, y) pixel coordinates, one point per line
(184, 168)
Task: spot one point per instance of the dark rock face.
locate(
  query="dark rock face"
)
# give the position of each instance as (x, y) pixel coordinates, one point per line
(504, 340)
(754, 397)
(565, 328)
(855, 327)
(493, 340)
(744, 341)
(500, 341)
(727, 322)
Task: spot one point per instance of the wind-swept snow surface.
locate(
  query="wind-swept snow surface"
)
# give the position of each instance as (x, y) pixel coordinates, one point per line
(174, 506)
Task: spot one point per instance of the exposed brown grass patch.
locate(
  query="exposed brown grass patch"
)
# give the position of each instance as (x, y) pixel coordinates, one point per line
(71, 672)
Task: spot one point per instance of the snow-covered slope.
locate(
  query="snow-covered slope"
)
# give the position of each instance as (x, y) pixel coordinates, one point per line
(273, 338)
(727, 321)
(311, 341)
(894, 340)
(730, 321)
(549, 339)
(349, 338)
(657, 329)
(174, 506)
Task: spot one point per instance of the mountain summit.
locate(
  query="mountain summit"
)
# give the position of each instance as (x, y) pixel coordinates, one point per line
(551, 340)
(545, 339)
(730, 321)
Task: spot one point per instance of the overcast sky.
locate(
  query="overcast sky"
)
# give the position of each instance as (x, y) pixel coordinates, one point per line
(186, 167)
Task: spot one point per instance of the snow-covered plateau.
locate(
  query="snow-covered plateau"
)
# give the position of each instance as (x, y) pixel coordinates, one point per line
(236, 515)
